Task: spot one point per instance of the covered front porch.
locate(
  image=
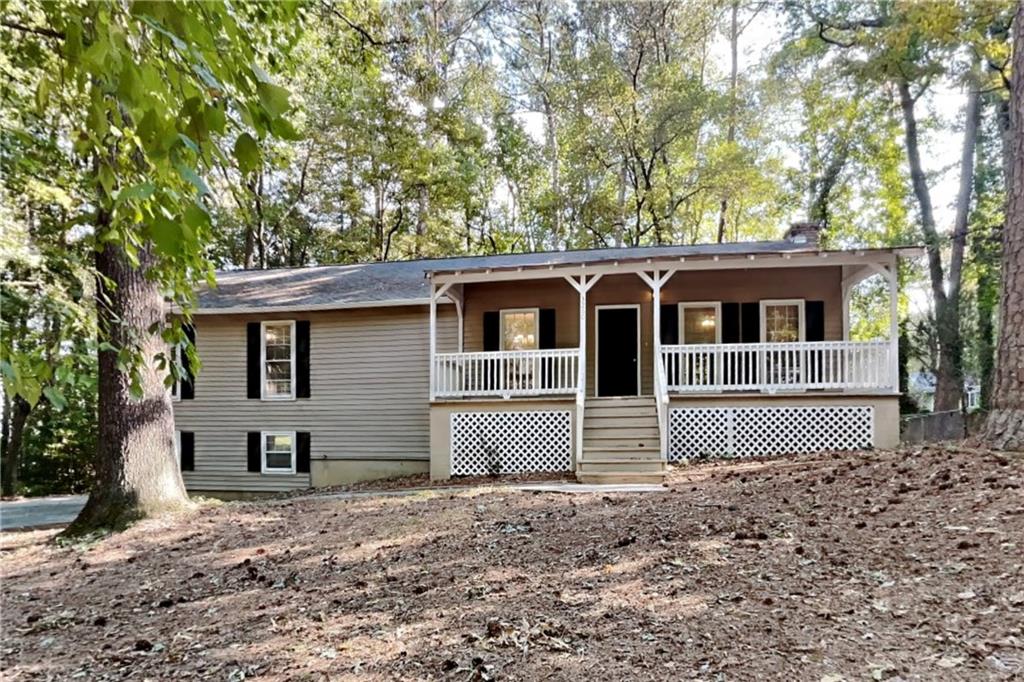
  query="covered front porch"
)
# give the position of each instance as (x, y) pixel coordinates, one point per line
(613, 369)
(747, 329)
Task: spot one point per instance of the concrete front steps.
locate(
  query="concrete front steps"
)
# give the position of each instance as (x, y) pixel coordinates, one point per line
(620, 442)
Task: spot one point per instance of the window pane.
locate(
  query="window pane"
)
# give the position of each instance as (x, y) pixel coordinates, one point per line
(278, 334)
(519, 330)
(279, 353)
(699, 325)
(279, 442)
(782, 323)
(279, 460)
(276, 388)
(279, 370)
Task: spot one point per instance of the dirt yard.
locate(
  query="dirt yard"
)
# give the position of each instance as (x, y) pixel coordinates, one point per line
(848, 567)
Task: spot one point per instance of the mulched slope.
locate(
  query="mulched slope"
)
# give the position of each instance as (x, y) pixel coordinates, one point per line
(855, 566)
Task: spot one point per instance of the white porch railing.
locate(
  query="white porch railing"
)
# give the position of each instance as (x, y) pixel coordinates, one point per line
(506, 374)
(714, 368)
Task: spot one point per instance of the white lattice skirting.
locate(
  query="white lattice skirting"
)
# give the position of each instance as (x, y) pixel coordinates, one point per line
(510, 442)
(756, 431)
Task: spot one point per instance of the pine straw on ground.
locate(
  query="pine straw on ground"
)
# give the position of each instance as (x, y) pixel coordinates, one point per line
(877, 565)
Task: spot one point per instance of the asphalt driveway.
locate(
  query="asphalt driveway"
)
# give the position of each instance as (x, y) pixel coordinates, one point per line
(39, 512)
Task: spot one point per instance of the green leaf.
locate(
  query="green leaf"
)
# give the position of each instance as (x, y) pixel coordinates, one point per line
(283, 129)
(189, 174)
(248, 153)
(55, 397)
(42, 95)
(274, 99)
(166, 236)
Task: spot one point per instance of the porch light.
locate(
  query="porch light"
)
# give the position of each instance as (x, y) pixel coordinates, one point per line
(707, 322)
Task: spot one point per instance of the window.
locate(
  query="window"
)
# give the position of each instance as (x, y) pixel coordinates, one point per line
(278, 360)
(520, 329)
(700, 323)
(782, 321)
(278, 452)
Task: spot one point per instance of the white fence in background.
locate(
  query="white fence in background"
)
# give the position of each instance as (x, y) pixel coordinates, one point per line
(714, 368)
(700, 432)
(506, 373)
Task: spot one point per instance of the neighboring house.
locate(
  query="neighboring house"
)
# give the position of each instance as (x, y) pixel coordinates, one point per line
(536, 362)
(921, 387)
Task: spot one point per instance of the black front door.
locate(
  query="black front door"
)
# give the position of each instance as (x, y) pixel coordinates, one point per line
(617, 354)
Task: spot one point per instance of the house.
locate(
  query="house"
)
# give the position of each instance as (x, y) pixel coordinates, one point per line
(921, 387)
(608, 363)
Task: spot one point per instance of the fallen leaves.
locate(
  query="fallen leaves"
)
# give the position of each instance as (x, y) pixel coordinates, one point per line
(875, 565)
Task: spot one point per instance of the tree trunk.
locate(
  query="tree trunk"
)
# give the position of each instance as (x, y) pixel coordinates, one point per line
(551, 126)
(734, 37)
(12, 450)
(949, 379)
(1004, 428)
(136, 469)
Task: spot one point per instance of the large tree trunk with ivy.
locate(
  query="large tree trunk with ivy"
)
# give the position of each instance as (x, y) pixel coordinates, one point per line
(136, 467)
(1004, 427)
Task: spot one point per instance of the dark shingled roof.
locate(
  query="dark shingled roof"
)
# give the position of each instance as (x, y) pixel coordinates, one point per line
(395, 282)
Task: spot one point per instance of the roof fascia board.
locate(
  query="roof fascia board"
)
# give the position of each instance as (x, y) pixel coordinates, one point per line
(256, 309)
(678, 264)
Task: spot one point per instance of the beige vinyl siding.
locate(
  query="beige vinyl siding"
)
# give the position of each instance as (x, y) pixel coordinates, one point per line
(368, 385)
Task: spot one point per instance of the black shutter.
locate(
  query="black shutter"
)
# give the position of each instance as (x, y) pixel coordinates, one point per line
(547, 340)
(492, 330)
(814, 318)
(187, 385)
(492, 336)
(730, 323)
(670, 324)
(547, 328)
(302, 359)
(252, 360)
(302, 452)
(750, 322)
(188, 450)
(255, 457)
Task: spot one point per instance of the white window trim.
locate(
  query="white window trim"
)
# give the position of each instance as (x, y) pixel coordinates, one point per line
(263, 452)
(501, 324)
(798, 302)
(263, 359)
(177, 446)
(683, 305)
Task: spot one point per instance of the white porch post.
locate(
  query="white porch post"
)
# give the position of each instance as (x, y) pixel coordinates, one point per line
(892, 274)
(433, 338)
(655, 281)
(581, 287)
(435, 295)
(846, 312)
